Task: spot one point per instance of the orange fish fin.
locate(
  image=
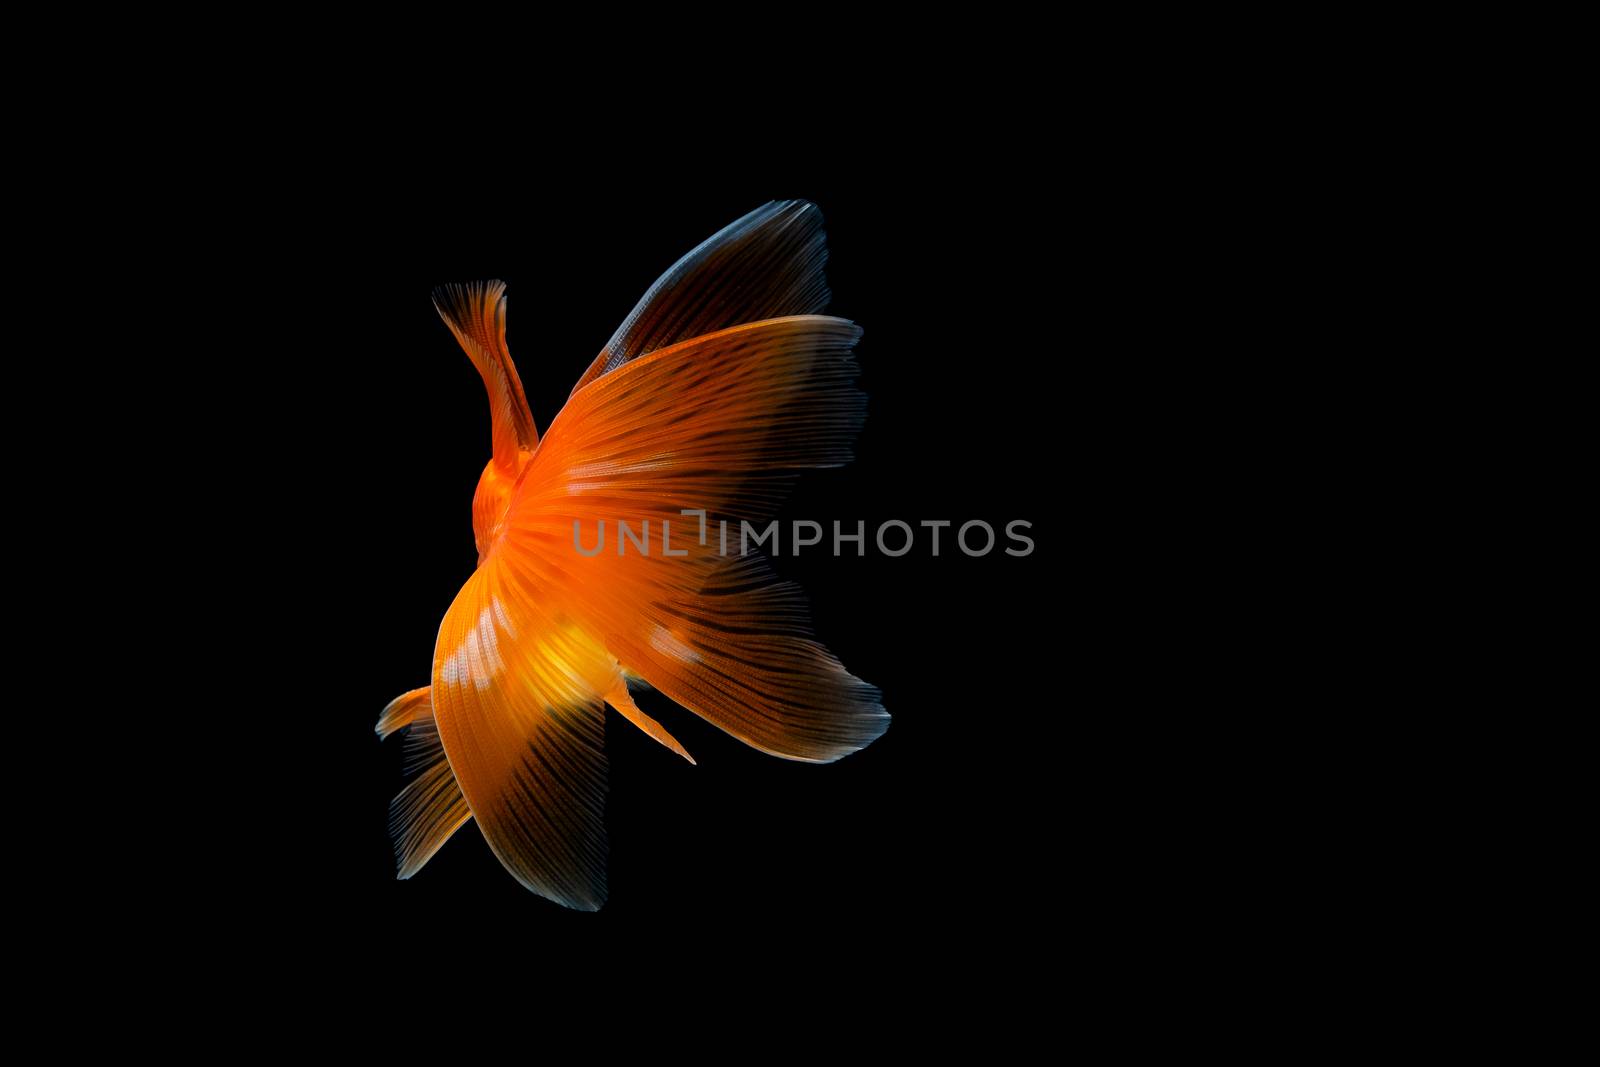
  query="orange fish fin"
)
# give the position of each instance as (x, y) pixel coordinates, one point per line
(476, 314)
(739, 654)
(430, 808)
(402, 709)
(710, 423)
(765, 265)
(517, 696)
(622, 700)
(713, 424)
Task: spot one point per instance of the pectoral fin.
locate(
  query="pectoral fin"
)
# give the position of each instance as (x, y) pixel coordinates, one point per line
(431, 807)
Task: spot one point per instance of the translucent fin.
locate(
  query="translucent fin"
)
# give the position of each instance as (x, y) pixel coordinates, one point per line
(430, 808)
(739, 655)
(702, 425)
(765, 265)
(402, 709)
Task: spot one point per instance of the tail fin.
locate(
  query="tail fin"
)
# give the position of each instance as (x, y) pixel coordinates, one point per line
(739, 655)
(715, 423)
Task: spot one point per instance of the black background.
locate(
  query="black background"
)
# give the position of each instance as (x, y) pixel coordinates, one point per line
(980, 812)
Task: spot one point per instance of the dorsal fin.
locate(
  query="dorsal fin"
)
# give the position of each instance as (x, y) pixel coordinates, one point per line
(476, 314)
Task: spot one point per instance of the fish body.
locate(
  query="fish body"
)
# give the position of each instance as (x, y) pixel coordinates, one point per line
(721, 383)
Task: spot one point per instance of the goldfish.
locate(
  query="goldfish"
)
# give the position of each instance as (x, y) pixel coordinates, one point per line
(722, 382)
